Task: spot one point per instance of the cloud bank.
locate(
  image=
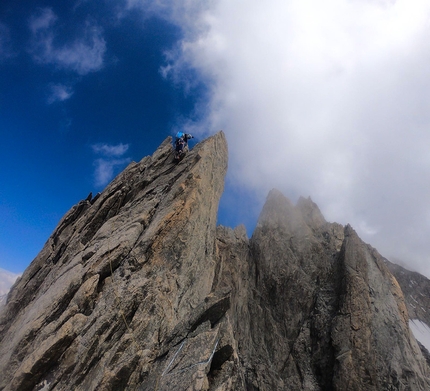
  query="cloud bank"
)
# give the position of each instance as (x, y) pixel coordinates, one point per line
(7, 279)
(324, 99)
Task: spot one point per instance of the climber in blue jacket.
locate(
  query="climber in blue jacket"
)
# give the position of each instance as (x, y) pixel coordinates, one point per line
(182, 141)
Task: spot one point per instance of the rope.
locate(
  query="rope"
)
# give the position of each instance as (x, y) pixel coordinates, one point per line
(180, 348)
(192, 365)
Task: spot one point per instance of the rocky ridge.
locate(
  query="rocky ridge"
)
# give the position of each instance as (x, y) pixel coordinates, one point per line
(138, 289)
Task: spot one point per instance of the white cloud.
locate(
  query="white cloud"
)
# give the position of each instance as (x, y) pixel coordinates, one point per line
(106, 166)
(82, 55)
(327, 99)
(59, 93)
(110, 150)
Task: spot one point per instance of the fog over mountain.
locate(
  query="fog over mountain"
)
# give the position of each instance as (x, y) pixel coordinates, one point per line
(327, 100)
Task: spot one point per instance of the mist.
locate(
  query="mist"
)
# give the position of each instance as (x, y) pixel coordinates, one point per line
(328, 100)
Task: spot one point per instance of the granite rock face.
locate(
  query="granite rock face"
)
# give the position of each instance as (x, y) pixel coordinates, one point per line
(138, 289)
(122, 281)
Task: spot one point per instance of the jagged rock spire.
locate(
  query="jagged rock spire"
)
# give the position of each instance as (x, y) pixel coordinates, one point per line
(102, 299)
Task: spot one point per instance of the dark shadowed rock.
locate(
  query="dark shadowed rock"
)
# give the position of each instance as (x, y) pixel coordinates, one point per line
(137, 289)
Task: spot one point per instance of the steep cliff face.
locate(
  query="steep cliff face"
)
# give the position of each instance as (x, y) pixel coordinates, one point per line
(137, 289)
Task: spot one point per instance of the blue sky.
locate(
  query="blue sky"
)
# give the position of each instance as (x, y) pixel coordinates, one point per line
(81, 95)
(323, 99)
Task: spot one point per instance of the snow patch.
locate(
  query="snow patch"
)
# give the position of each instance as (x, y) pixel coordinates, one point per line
(421, 332)
(44, 384)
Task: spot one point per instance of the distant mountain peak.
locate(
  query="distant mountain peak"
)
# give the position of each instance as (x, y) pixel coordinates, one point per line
(310, 212)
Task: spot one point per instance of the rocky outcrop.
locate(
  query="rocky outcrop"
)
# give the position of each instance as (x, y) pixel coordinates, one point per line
(137, 289)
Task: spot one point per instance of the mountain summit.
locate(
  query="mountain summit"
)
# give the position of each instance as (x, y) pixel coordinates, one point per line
(138, 289)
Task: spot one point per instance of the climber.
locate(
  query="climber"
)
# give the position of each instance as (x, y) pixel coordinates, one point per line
(181, 144)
